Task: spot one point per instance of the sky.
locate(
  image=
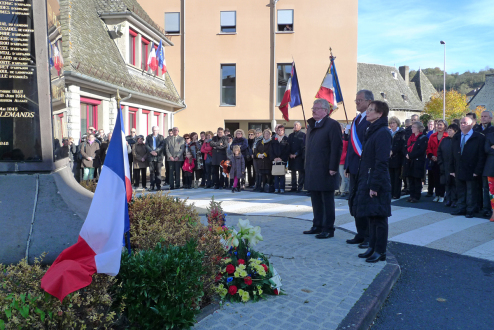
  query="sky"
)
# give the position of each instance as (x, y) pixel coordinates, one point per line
(401, 32)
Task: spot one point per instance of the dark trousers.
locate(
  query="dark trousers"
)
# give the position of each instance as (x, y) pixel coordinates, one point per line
(76, 170)
(279, 182)
(323, 208)
(486, 201)
(451, 195)
(175, 168)
(415, 187)
(298, 184)
(436, 177)
(207, 175)
(218, 178)
(405, 181)
(466, 195)
(138, 173)
(167, 172)
(361, 223)
(131, 171)
(251, 172)
(266, 179)
(430, 181)
(395, 174)
(155, 173)
(378, 234)
(199, 175)
(188, 179)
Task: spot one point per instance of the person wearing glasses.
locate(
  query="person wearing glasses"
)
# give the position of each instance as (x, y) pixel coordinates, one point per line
(354, 152)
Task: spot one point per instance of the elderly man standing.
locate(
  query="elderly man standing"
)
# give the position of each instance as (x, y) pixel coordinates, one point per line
(323, 149)
(296, 140)
(155, 144)
(467, 165)
(485, 128)
(175, 148)
(357, 132)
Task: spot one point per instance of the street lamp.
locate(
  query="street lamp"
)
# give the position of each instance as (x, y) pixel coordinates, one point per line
(444, 83)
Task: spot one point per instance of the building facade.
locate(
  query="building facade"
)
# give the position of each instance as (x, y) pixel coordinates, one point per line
(484, 97)
(105, 47)
(232, 59)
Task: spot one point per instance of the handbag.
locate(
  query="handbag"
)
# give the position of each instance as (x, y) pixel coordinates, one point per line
(278, 168)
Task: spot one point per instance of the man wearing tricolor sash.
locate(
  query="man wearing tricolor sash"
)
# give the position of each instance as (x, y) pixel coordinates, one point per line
(357, 132)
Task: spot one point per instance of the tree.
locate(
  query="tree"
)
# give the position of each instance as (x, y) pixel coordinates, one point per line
(478, 111)
(456, 106)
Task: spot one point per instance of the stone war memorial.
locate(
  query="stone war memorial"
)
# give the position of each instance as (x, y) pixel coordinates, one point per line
(42, 206)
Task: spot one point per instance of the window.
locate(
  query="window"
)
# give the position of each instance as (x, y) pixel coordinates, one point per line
(228, 21)
(228, 76)
(261, 126)
(144, 53)
(285, 20)
(60, 126)
(132, 118)
(132, 47)
(89, 114)
(172, 22)
(156, 119)
(145, 117)
(284, 73)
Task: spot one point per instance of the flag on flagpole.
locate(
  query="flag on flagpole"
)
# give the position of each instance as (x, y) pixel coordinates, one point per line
(152, 60)
(56, 60)
(292, 96)
(99, 246)
(160, 53)
(330, 88)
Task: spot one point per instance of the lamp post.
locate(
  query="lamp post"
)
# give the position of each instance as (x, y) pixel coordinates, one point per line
(444, 82)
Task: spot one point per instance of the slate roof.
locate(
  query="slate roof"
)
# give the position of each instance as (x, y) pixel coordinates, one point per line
(485, 95)
(388, 85)
(88, 49)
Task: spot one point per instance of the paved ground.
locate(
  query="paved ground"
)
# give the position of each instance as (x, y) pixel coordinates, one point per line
(438, 290)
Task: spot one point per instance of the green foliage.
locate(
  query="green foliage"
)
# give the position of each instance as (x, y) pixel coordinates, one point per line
(156, 217)
(215, 214)
(24, 305)
(456, 106)
(162, 288)
(89, 185)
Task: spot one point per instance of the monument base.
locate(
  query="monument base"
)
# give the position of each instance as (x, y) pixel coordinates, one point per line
(41, 212)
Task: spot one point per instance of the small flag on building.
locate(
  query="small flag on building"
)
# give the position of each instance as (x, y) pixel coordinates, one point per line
(99, 247)
(56, 59)
(152, 60)
(330, 88)
(160, 53)
(292, 96)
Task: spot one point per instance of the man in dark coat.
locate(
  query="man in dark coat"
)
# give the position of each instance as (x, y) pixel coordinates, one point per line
(467, 165)
(155, 144)
(489, 170)
(363, 99)
(371, 196)
(323, 149)
(296, 140)
(219, 144)
(485, 127)
(396, 158)
(444, 159)
(131, 140)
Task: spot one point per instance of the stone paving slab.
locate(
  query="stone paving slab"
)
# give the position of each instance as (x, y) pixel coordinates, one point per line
(322, 279)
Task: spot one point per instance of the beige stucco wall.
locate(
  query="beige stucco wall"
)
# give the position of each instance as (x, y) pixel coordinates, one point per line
(318, 24)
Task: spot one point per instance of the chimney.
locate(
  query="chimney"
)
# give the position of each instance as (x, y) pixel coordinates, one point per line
(405, 73)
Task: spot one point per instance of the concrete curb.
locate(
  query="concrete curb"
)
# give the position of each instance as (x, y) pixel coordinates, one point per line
(208, 310)
(366, 308)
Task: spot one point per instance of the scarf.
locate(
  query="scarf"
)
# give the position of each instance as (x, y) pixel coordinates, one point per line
(266, 141)
(411, 141)
(90, 142)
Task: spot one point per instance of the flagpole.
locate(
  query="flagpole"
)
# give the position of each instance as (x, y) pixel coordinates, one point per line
(301, 102)
(331, 58)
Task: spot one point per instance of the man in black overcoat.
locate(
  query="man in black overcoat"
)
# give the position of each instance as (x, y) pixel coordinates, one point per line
(467, 165)
(323, 149)
(155, 144)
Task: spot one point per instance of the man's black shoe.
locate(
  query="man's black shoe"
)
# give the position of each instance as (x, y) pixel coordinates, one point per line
(151, 188)
(469, 215)
(487, 214)
(429, 195)
(448, 204)
(355, 241)
(216, 187)
(293, 189)
(325, 234)
(366, 254)
(376, 257)
(313, 230)
(459, 212)
(364, 245)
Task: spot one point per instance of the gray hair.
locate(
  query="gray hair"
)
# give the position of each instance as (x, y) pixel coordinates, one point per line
(394, 119)
(323, 103)
(420, 126)
(443, 121)
(490, 113)
(414, 116)
(367, 94)
(258, 130)
(154, 127)
(408, 121)
(297, 122)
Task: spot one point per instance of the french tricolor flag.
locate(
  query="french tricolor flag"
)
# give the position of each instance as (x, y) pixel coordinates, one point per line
(152, 59)
(99, 247)
(330, 87)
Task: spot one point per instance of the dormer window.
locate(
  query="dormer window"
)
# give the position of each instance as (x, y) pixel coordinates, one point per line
(132, 46)
(395, 75)
(144, 53)
(405, 98)
(383, 94)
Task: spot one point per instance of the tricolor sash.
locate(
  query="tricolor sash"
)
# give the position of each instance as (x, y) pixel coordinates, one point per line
(357, 146)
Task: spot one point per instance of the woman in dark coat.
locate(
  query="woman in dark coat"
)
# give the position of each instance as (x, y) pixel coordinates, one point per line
(219, 144)
(90, 157)
(240, 140)
(296, 140)
(489, 168)
(372, 194)
(140, 163)
(263, 161)
(414, 167)
(396, 156)
(280, 150)
(444, 159)
(249, 161)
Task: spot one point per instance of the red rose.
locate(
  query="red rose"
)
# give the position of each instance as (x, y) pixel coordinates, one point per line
(218, 277)
(241, 261)
(230, 269)
(275, 291)
(265, 267)
(248, 280)
(232, 290)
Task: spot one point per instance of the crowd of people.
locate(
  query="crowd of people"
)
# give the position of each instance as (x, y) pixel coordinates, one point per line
(368, 162)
